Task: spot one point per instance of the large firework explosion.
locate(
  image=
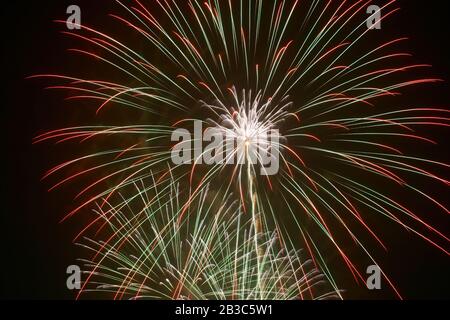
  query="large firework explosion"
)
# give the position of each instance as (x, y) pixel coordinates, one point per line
(233, 66)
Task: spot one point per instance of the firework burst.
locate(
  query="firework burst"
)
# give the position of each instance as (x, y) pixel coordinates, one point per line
(227, 65)
(147, 254)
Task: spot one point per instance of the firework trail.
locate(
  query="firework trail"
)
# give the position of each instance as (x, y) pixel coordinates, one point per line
(233, 66)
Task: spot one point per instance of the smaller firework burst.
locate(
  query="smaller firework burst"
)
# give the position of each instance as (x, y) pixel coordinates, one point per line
(147, 254)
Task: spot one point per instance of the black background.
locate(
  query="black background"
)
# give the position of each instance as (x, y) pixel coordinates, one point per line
(35, 248)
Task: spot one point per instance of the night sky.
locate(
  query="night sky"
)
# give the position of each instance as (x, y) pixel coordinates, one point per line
(37, 248)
